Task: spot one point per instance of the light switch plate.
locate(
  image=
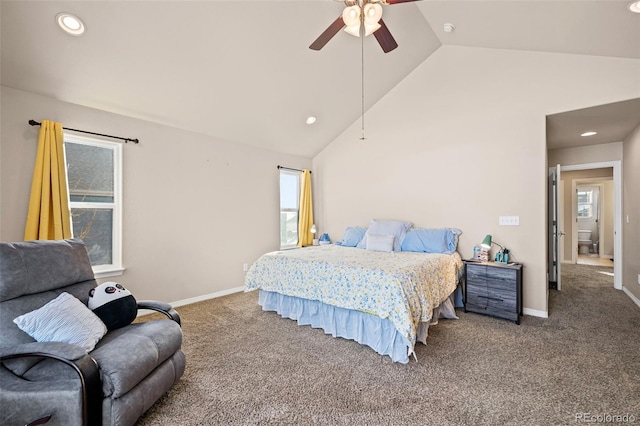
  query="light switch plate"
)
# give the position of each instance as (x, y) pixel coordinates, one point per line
(509, 220)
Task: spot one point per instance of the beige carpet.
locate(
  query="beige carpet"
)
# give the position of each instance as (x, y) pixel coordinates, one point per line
(249, 367)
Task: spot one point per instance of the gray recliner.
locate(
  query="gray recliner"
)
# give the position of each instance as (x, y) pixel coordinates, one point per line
(59, 383)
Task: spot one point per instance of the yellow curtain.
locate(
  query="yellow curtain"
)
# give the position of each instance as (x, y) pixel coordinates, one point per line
(305, 220)
(49, 217)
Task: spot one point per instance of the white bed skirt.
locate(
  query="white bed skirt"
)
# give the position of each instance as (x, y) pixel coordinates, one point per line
(366, 329)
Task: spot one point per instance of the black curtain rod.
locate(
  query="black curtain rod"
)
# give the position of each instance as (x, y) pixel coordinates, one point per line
(35, 123)
(289, 168)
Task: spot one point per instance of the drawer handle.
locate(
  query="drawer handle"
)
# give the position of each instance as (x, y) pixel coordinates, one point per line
(491, 298)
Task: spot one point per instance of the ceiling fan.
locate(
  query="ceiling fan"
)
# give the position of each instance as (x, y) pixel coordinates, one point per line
(361, 16)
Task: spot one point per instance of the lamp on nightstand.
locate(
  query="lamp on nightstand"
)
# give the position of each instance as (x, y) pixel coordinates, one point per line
(502, 256)
(313, 230)
(486, 243)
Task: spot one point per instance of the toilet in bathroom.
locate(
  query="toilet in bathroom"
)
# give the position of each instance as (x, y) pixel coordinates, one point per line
(584, 241)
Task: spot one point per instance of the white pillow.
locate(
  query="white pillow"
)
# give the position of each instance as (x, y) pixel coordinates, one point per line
(387, 227)
(64, 319)
(380, 242)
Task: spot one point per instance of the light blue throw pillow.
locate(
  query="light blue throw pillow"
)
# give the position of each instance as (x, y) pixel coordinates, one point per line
(352, 236)
(444, 240)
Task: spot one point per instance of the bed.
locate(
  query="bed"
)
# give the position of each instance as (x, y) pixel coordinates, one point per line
(385, 300)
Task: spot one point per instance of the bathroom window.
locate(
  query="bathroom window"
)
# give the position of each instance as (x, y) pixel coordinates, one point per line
(585, 204)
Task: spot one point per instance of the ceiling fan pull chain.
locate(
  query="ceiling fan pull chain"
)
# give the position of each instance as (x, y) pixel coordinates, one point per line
(362, 76)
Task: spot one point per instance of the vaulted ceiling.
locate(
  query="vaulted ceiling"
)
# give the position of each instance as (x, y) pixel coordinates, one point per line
(242, 70)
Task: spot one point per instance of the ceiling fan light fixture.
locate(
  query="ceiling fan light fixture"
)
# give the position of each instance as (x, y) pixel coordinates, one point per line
(354, 31)
(351, 16)
(372, 13)
(359, 22)
(371, 28)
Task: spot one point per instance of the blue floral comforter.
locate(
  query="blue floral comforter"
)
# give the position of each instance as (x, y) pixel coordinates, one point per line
(404, 287)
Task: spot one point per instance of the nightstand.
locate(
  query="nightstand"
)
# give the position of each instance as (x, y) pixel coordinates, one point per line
(493, 289)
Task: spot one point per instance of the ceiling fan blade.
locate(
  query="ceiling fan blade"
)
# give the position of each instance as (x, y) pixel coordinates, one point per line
(328, 34)
(384, 37)
(398, 1)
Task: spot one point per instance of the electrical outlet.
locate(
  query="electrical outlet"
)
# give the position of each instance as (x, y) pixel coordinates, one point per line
(509, 220)
(245, 267)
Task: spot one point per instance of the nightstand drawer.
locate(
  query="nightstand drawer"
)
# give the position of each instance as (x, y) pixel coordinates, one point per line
(494, 309)
(476, 291)
(501, 278)
(485, 300)
(476, 274)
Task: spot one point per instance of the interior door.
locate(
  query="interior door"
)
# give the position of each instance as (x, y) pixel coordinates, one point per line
(554, 261)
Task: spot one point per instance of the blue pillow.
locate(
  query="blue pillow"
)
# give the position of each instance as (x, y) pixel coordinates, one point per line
(443, 240)
(352, 236)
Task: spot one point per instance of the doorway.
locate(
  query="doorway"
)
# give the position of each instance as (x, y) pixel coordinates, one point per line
(588, 220)
(594, 219)
(614, 245)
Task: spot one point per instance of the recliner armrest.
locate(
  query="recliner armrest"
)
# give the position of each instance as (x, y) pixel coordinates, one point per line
(56, 349)
(161, 307)
(76, 358)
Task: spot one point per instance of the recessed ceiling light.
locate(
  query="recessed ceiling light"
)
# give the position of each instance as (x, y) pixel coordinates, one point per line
(70, 23)
(311, 119)
(635, 7)
(589, 133)
(448, 28)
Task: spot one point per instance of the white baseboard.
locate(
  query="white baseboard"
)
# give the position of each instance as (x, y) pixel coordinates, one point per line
(544, 314)
(525, 311)
(535, 313)
(197, 299)
(631, 296)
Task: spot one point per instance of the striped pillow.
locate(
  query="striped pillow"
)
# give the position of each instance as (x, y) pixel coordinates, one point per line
(64, 319)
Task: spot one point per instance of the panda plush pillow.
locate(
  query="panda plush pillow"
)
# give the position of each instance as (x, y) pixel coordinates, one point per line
(113, 304)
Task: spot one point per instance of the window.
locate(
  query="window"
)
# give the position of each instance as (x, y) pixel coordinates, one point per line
(94, 172)
(289, 207)
(585, 204)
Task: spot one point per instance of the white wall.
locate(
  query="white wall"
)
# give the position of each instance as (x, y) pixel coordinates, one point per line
(195, 208)
(586, 154)
(631, 209)
(461, 141)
